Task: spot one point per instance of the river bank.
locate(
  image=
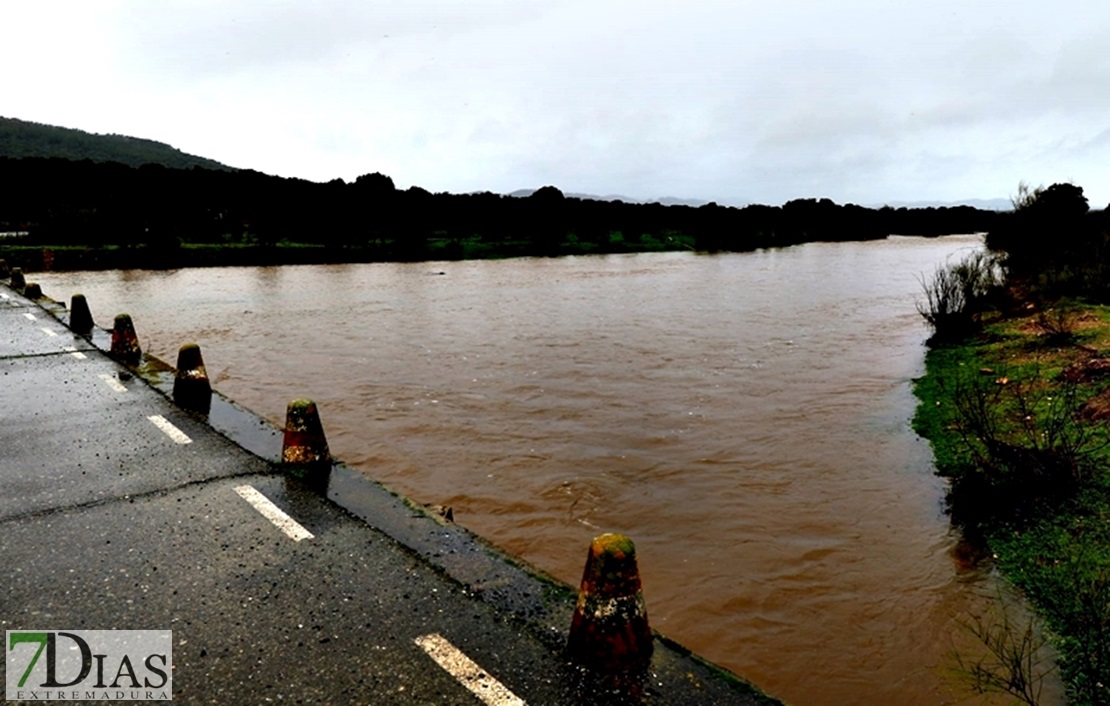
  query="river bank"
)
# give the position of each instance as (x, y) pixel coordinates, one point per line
(66, 258)
(1017, 420)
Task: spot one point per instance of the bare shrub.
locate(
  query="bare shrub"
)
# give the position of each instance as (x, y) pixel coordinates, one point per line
(958, 294)
(1017, 660)
(1028, 444)
(1058, 322)
(1026, 196)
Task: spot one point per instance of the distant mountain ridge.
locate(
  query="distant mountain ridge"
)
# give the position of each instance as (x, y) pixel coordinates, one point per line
(21, 138)
(984, 204)
(664, 200)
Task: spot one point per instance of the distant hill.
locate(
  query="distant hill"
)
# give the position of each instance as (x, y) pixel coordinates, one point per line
(984, 204)
(664, 200)
(19, 138)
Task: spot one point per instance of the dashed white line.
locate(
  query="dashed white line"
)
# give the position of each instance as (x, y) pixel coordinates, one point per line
(170, 430)
(76, 354)
(273, 513)
(112, 382)
(467, 672)
(50, 333)
(30, 316)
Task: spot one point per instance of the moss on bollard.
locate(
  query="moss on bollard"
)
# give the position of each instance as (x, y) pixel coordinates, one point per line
(80, 318)
(304, 448)
(125, 344)
(4, 271)
(18, 281)
(610, 631)
(32, 291)
(191, 388)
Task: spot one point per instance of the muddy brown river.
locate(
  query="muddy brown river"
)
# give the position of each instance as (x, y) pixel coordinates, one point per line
(745, 418)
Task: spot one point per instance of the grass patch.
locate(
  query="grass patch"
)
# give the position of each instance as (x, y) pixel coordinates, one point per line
(1038, 469)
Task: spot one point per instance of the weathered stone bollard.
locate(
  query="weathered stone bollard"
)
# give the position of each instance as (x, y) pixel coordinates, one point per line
(191, 388)
(125, 344)
(32, 291)
(4, 271)
(610, 631)
(18, 280)
(304, 448)
(80, 318)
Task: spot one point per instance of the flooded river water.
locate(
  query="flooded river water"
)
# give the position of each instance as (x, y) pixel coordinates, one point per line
(745, 418)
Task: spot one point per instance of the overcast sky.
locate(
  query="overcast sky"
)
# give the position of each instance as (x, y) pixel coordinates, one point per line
(864, 101)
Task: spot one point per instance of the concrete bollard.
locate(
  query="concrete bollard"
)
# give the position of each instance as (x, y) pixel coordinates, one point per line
(80, 318)
(610, 631)
(304, 447)
(191, 388)
(125, 344)
(18, 280)
(4, 271)
(32, 291)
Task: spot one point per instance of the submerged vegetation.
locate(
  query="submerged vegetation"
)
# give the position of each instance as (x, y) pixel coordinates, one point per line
(1015, 402)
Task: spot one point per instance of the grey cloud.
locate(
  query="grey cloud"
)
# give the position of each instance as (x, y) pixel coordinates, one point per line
(191, 39)
(860, 100)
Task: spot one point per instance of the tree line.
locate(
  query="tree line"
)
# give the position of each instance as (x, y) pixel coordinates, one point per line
(63, 202)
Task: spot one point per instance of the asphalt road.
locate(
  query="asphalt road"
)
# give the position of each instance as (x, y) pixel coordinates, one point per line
(120, 511)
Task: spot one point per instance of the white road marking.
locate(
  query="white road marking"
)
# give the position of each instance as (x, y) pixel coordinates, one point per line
(112, 382)
(30, 316)
(4, 296)
(467, 672)
(48, 332)
(273, 513)
(170, 430)
(76, 354)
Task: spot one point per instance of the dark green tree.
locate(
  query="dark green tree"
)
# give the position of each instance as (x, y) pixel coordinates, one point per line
(547, 219)
(1052, 242)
